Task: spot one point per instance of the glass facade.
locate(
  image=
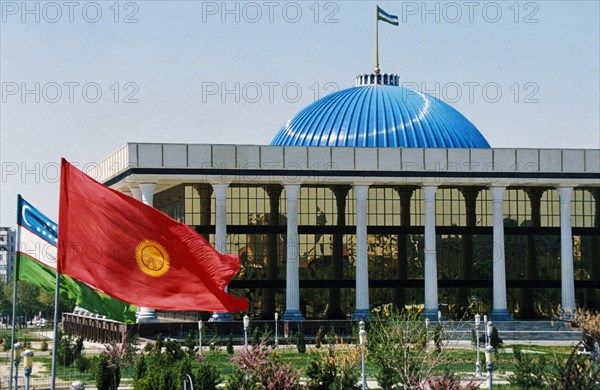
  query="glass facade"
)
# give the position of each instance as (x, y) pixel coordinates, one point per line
(256, 230)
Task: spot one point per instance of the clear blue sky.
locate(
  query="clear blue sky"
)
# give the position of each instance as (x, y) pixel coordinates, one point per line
(174, 61)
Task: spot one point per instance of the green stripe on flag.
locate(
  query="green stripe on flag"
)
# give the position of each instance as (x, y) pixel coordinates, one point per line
(30, 270)
(389, 18)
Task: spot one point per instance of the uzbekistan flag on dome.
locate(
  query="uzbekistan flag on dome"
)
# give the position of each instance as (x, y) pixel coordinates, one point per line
(135, 253)
(36, 264)
(382, 15)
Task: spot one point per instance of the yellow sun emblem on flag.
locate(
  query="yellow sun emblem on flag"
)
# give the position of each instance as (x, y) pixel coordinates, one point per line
(152, 258)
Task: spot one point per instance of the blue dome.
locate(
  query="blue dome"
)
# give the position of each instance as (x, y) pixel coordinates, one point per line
(380, 116)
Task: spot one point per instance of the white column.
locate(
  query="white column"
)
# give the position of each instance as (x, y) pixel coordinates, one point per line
(566, 253)
(220, 191)
(136, 193)
(361, 193)
(499, 310)
(431, 290)
(145, 193)
(292, 279)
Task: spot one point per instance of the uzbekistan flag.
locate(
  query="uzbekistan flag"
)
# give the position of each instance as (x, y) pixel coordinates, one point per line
(135, 253)
(382, 15)
(36, 264)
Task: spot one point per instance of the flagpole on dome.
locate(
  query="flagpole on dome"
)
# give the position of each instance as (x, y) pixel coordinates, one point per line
(377, 39)
(14, 302)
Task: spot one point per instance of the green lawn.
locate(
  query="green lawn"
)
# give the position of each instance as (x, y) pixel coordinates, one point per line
(462, 360)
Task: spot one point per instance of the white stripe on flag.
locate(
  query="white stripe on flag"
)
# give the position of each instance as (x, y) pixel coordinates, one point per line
(36, 247)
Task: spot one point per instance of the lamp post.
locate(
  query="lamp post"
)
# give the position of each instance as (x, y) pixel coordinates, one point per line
(17, 360)
(276, 335)
(426, 334)
(485, 321)
(362, 337)
(246, 323)
(478, 362)
(489, 355)
(489, 358)
(200, 336)
(28, 363)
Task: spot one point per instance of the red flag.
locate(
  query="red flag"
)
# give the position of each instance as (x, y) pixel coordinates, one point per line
(137, 254)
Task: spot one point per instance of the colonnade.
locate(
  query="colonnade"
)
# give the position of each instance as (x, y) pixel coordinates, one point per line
(144, 192)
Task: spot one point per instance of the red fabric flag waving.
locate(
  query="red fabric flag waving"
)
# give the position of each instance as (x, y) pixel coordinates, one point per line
(135, 253)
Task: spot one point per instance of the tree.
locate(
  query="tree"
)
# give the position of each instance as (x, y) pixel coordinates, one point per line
(398, 344)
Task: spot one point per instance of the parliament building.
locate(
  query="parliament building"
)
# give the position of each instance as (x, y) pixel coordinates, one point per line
(379, 194)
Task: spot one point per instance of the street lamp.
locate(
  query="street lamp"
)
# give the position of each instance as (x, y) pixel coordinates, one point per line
(478, 362)
(17, 360)
(362, 337)
(489, 354)
(200, 336)
(276, 336)
(28, 363)
(426, 334)
(489, 359)
(485, 321)
(246, 323)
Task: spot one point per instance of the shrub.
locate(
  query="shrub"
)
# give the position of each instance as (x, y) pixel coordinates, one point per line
(446, 382)
(207, 377)
(527, 371)
(107, 376)
(66, 350)
(438, 336)
(159, 371)
(255, 336)
(300, 342)
(397, 347)
(495, 339)
(78, 347)
(321, 371)
(6, 342)
(258, 366)
(266, 336)
(230, 344)
(191, 340)
(577, 372)
(319, 337)
(335, 369)
(44, 346)
(589, 323)
(82, 364)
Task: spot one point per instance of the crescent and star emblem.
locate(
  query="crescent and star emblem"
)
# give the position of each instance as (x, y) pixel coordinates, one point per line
(152, 258)
(24, 213)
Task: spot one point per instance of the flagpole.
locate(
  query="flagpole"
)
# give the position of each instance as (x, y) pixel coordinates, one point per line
(55, 344)
(377, 39)
(14, 306)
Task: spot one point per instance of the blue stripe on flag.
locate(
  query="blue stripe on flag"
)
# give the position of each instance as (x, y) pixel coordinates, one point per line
(33, 220)
(389, 16)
